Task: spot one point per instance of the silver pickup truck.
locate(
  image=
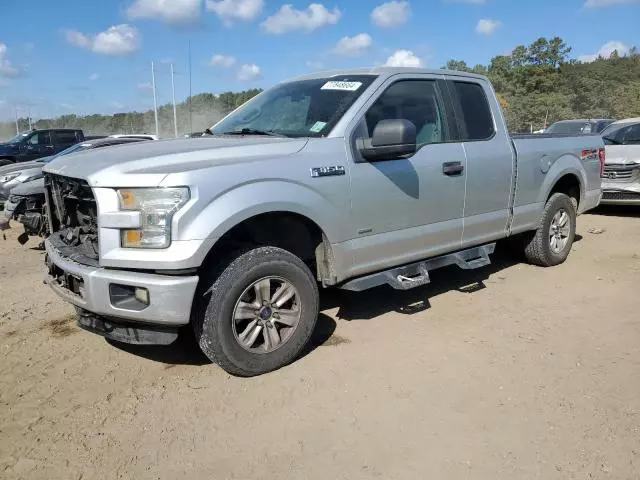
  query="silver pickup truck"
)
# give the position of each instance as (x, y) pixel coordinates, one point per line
(348, 179)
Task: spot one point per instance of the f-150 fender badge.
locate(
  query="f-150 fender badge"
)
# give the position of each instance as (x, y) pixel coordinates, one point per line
(329, 171)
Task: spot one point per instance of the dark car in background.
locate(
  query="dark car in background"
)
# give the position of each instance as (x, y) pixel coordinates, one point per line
(34, 144)
(26, 200)
(579, 127)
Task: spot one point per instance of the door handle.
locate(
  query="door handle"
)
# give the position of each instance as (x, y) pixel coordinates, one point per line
(49, 146)
(452, 168)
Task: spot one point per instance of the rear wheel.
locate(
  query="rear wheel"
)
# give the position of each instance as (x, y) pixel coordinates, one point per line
(551, 243)
(258, 313)
(6, 161)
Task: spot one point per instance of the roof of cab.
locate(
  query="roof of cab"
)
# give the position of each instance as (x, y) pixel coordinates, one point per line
(387, 72)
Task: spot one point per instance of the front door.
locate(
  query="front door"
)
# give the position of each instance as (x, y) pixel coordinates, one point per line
(37, 145)
(408, 209)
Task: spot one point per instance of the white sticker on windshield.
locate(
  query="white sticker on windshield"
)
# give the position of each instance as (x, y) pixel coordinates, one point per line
(347, 86)
(317, 127)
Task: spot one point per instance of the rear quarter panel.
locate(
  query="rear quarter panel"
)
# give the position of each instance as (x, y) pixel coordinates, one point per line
(542, 162)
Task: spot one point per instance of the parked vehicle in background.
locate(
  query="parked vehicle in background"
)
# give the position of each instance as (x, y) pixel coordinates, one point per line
(353, 179)
(579, 127)
(25, 201)
(34, 144)
(621, 176)
(141, 136)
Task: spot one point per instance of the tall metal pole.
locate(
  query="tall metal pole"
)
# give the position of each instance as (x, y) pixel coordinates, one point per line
(175, 112)
(15, 109)
(29, 117)
(190, 91)
(155, 98)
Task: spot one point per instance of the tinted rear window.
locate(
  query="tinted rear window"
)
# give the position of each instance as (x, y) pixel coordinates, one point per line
(476, 113)
(66, 138)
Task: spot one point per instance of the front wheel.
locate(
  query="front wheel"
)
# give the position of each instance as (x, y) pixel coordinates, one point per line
(552, 241)
(258, 313)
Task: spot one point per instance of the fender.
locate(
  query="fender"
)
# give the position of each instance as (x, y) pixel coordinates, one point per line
(564, 165)
(244, 201)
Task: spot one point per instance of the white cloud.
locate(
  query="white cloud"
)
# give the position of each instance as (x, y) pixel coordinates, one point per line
(474, 2)
(226, 61)
(391, 14)
(353, 46)
(93, 77)
(230, 10)
(66, 106)
(288, 19)
(404, 58)
(606, 51)
(115, 40)
(145, 86)
(6, 68)
(248, 72)
(314, 65)
(173, 12)
(117, 105)
(29, 46)
(608, 3)
(487, 26)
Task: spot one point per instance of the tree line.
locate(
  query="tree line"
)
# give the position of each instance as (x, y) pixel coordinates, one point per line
(537, 85)
(195, 114)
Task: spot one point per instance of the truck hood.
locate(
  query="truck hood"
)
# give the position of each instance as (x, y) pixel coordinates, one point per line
(146, 164)
(622, 154)
(16, 167)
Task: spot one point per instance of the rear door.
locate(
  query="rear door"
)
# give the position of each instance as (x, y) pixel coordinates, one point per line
(490, 160)
(407, 209)
(64, 139)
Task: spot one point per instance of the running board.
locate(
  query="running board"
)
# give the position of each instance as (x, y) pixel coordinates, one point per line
(417, 274)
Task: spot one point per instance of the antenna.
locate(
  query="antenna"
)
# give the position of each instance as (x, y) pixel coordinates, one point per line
(15, 109)
(175, 112)
(190, 91)
(155, 99)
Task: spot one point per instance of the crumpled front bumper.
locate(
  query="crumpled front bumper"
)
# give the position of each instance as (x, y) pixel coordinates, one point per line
(170, 297)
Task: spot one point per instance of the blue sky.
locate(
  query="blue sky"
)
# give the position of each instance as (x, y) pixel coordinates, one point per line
(94, 57)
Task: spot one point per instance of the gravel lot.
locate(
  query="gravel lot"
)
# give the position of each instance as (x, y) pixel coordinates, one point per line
(509, 372)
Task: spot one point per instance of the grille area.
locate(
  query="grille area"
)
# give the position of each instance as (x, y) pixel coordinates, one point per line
(73, 218)
(618, 172)
(620, 196)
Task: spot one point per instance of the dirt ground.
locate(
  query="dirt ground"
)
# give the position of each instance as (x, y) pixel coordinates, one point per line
(509, 372)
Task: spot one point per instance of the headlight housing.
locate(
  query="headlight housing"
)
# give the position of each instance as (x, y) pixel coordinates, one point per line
(10, 176)
(157, 207)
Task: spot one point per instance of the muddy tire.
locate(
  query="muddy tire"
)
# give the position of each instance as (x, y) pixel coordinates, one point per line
(258, 312)
(551, 243)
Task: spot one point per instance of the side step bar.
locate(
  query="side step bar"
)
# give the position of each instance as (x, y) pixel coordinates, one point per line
(417, 274)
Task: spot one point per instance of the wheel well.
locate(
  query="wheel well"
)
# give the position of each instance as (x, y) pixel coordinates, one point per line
(290, 231)
(569, 185)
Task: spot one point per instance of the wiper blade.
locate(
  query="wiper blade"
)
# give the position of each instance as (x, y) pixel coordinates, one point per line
(253, 131)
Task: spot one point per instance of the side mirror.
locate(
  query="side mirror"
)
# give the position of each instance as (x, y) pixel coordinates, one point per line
(391, 139)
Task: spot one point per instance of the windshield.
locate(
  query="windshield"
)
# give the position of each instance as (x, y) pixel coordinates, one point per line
(569, 128)
(622, 134)
(18, 138)
(74, 148)
(304, 108)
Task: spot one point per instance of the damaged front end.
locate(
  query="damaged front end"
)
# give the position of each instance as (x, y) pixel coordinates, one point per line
(72, 215)
(621, 183)
(30, 212)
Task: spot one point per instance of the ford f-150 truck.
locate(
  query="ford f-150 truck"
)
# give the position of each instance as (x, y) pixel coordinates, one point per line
(348, 179)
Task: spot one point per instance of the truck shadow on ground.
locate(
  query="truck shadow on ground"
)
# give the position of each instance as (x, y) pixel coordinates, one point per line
(378, 301)
(617, 210)
(354, 306)
(186, 351)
